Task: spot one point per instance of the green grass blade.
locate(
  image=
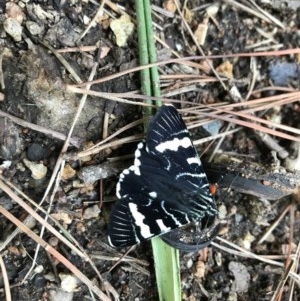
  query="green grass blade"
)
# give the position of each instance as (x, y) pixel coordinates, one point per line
(167, 270)
(166, 258)
(143, 53)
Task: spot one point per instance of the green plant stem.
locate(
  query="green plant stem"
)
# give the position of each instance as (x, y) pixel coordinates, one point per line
(143, 54)
(167, 270)
(165, 257)
(152, 52)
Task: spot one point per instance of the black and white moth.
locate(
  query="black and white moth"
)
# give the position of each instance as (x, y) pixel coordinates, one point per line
(166, 187)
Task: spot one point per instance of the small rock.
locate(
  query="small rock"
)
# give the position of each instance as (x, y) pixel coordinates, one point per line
(218, 258)
(292, 4)
(68, 172)
(53, 241)
(63, 32)
(232, 296)
(63, 217)
(38, 170)
(39, 281)
(122, 28)
(39, 269)
(36, 152)
(41, 14)
(90, 174)
(199, 269)
(292, 162)
(188, 15)
(213, 10)
(201, 32)
(170, 6)
(241, 275)
(14, 11)
(68, 282)
(91, 212)
(226, 69)
(86, 20)
(235, 94)
(59, 295)
(5, 164)
(11, 143)
(238, 218)
(50, 277)
(34, 28)
(15, 250)
(13, 28)
(189, 263)
(246, 242)
(213, 127)
(80, 228)
(282, 73)
(222, 211)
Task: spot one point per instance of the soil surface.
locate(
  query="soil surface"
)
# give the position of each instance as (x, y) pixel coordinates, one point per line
(49, 47)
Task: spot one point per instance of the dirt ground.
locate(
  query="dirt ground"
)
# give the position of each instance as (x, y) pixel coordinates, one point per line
(46, 53)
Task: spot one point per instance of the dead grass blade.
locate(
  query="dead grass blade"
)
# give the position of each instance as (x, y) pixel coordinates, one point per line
(257, 13)
(292, 273)
(279, 290)
(190, 59)
(34, 214)
(290, 270)
(251, 125)
(74, 141)
(274, 225)
(239, 251)
(5, 280)
(55, 253)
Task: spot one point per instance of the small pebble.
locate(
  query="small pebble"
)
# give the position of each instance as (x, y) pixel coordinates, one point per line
(91, 212)
(241, 275)
(14, 11)
(53, 241)
(36, 152)
(38, 170)
(68, 172)
(68, 282)
(39, 269)
(222, 211)
(189, 263)
(34, 28)
(13, 28)
(39, 281)
(213, 127)
(59, 295)
(90, 174)
(122, 28)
